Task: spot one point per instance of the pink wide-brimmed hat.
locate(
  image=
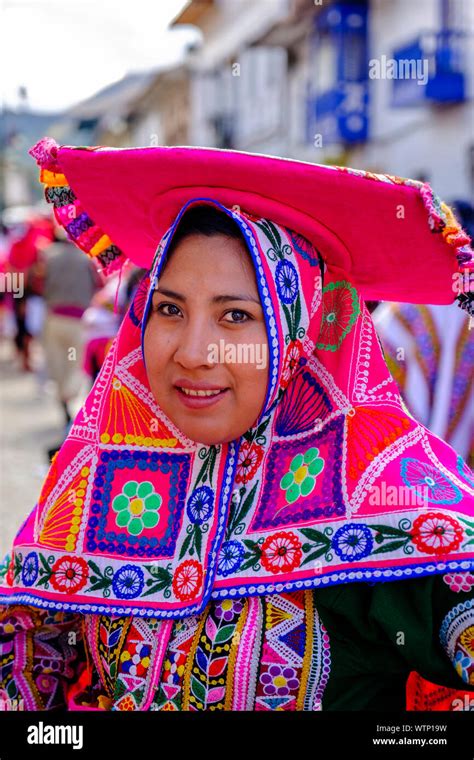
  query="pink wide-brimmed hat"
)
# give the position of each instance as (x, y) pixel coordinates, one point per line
(392, 237)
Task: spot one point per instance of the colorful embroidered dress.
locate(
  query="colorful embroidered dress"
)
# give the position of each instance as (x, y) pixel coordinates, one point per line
(313, 563)
(346, 647)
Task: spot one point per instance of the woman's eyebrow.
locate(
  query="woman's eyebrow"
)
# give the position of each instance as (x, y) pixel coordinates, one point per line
(216, 299)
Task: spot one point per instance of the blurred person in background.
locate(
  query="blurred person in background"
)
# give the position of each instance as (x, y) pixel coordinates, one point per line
(102, 318)
(4, 251)
(100, 323)
(24, 260)
(70, 281)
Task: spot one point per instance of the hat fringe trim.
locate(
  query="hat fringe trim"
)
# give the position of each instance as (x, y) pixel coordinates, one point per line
(441, 219)
(69, 212)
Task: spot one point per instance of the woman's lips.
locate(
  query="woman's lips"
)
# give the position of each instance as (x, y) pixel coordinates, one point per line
(198, 402)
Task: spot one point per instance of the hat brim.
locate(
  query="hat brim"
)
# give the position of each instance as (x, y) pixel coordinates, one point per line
(392, 237)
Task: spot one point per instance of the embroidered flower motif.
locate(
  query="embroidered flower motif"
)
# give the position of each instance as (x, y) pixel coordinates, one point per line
(46, 683)
(462, 663)
(127, 703)
(137, 507)
(29, 571)
(279, 680)
(128, 582)
(303, 247)
(436, 533)
(281, 552)
(294, 351)
(459, 581)
(340, 307)
(250, 456)
(352, 542)
(228, 608)
(173, 667)
(169, 707)
(136, 659)
(200, 504)
(230, 557)
(466, 640)
(429, 482)
(301, 478)
(286, 278)
(187, 580)
(11, 624)
(69, 574)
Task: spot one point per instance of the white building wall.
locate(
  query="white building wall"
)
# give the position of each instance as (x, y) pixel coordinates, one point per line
(147, 130)
(227, 32)
(236, 24)
(432, 140)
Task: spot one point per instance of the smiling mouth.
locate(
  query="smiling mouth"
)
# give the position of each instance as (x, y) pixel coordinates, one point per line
(200, 394)
(197, 399)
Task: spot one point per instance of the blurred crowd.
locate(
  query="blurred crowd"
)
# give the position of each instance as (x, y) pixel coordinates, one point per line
(57, 310)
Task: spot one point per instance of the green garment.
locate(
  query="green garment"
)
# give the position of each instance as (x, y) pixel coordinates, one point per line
(380, 633)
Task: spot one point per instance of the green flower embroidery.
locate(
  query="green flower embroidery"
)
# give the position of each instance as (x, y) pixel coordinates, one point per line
(137, 507)
(301, 478)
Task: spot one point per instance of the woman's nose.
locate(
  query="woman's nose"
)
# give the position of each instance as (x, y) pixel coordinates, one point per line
(194, 345)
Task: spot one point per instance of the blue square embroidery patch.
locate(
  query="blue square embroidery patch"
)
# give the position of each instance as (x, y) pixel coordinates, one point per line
(138, 499)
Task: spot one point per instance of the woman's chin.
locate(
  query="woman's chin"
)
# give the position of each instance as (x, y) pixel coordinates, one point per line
(207, 435)
(209, 439)
(206, 428)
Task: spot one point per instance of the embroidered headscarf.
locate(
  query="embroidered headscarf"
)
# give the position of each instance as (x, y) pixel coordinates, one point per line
(336, 482)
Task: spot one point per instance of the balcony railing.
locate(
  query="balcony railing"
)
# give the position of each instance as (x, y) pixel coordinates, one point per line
(430, 69)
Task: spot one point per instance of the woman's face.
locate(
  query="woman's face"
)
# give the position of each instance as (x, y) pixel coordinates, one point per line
(206, 328)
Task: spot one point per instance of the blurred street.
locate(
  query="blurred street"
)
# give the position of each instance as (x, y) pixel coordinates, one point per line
(31, 423)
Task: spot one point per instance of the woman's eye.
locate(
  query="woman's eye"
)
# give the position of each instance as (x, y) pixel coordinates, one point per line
(159, 308)
(239, 313)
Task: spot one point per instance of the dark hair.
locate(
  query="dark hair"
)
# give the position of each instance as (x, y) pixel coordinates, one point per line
(204, 220)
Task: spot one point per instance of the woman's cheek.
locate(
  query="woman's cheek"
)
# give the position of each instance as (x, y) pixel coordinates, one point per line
(156, 344)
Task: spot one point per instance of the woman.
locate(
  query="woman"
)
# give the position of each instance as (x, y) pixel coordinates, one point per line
(244, 515)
